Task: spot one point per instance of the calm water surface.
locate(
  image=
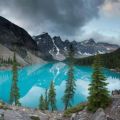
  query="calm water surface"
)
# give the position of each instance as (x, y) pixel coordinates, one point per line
(33, 80)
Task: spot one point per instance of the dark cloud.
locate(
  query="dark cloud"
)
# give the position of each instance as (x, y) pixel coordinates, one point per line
(55, 16)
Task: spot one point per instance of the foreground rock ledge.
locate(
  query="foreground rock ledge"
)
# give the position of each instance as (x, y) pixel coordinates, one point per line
(21, 113)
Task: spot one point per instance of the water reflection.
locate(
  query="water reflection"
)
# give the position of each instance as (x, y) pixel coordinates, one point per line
(33, 80)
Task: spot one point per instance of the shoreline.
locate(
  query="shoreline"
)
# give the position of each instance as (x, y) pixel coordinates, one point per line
(115, 70)
(9, 67)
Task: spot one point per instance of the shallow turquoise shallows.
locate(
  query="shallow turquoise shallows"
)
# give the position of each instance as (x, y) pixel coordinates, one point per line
(33, 80)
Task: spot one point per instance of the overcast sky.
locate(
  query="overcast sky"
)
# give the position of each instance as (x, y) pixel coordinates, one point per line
(70, 19)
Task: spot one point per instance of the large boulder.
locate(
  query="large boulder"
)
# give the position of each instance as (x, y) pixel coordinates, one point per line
(99, 115)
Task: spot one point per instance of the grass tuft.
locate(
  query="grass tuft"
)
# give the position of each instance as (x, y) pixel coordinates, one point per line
(75, 109)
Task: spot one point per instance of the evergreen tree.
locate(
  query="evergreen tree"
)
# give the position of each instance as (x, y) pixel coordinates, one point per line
(42, 103)
(98, 94)
(46, 99)
(70, 83)
(14, 95)
(52, 96)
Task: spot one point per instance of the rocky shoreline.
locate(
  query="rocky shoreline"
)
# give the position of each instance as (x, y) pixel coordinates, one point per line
(112, 112)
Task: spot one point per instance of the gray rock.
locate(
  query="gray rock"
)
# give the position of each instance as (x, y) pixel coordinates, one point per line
(99, 115)
(1, 114)
(14, 115)
(73, 116)
(113, 111)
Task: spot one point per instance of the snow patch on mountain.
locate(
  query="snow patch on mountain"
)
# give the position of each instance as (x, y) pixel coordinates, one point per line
(57, 49)
(56, 68)
(57, 56)
(101, 52)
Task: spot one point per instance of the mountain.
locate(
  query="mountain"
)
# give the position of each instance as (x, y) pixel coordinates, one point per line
(44, 46)
(50, 48)
(57, 49)
(14, 37)
(110, 60)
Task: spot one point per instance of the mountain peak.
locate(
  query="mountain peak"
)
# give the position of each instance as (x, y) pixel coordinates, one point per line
(90, 42)
(57, 38)
(3, 19)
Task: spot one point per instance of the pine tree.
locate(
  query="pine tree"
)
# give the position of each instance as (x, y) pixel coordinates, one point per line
(98, 94)
(70, 83)
(14, 95)
(42, 103)
(52, 96)
(46, 99)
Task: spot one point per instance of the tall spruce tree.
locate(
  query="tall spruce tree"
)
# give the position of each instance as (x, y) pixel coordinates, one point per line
(14, 94)
(70, 83)
(98, 94)
(46, 99)
(42, 103)
(52, 96)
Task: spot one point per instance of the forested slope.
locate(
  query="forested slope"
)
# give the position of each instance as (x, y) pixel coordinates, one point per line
(110, 60)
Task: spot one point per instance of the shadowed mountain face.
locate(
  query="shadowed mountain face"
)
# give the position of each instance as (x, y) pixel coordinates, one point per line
(11, 34)
(45, 46)
(14, 37)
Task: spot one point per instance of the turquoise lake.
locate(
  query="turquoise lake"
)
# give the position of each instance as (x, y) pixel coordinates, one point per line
(34, 79)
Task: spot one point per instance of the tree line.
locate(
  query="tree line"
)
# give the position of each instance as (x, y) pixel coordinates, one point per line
(98, 93)
(110, 60)
(6, 61)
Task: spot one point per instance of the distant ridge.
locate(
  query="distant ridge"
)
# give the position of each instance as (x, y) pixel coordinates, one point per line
(57, 49)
